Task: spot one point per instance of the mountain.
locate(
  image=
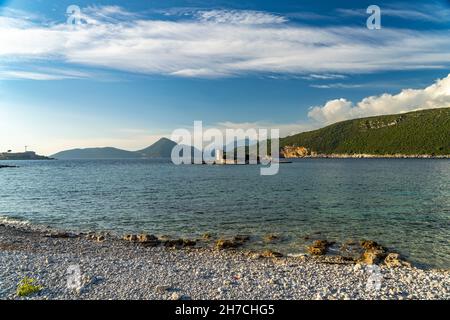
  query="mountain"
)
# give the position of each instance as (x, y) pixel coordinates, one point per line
(95, 153)
(160, 149)
(425, 132)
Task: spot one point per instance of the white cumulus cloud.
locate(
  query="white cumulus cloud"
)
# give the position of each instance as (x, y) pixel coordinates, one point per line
(436, 95)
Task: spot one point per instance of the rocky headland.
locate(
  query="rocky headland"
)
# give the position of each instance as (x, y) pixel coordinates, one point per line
(290, 152)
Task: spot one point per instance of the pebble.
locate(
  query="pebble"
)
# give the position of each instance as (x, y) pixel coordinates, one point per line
(175, 296)
(162, 288)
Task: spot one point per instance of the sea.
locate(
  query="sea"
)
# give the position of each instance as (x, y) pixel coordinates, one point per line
(404, 204)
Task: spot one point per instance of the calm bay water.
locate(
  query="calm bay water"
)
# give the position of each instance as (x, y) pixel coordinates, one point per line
(402, 203)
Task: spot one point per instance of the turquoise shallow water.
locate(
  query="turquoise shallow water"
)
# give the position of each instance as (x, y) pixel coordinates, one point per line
(402, 203)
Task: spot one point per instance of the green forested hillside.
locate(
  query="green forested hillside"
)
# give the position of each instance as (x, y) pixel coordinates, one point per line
(419, 132)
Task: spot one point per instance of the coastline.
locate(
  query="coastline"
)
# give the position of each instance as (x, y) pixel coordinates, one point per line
(112, 268)
(371, 156)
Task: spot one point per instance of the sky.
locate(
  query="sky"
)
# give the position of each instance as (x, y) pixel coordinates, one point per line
(126, 73)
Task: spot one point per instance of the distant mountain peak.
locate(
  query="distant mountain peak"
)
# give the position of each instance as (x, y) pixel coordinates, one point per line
(160, 149)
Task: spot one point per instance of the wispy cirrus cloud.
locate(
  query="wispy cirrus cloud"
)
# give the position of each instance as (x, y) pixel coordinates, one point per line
(337, 85)
(220, 43)
(324, 76)
(42, 74)
(245, 17)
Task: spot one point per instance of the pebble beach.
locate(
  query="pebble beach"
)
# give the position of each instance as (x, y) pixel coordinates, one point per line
(116, 269)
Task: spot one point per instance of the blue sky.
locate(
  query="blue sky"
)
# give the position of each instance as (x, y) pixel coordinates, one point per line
(133, 71)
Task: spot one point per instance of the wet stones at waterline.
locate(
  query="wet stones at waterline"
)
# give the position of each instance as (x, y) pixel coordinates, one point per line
(144, 239)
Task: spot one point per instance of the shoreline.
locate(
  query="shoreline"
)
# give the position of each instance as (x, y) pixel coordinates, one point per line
(271, 243)
(113, 268)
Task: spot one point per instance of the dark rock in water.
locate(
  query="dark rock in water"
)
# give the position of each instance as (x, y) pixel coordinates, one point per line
(227, 244)
(319, 247)
(369, 244)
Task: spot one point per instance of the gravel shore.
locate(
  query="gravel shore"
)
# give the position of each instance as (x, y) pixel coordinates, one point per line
(116, 269)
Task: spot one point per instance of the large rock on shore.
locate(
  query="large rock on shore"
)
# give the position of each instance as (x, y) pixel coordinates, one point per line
(227, 244)
(393, 260)
(370, 244)
(232, 243)
(271, 254)
(373, 254)
(130, 237)
(144, 239)
(180, 243)
(319, 247)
